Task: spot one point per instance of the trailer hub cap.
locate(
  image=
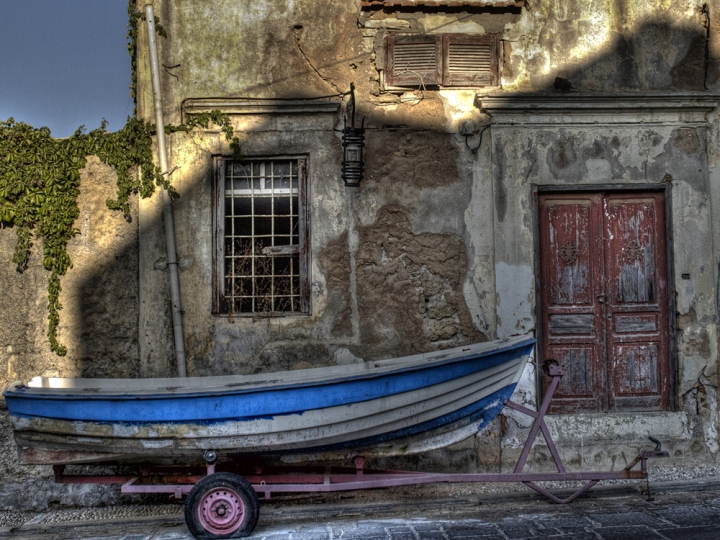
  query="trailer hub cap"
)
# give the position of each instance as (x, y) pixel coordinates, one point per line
(221, 511)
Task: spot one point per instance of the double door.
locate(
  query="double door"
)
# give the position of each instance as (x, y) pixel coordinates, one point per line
(604, 299)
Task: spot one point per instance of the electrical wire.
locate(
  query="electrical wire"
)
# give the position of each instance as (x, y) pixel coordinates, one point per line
(467, 137)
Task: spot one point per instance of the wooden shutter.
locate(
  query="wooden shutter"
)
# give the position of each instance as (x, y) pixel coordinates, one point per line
(470, 60)
(413, 60)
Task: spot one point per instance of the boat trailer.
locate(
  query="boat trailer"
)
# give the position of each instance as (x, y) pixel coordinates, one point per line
(225, 504)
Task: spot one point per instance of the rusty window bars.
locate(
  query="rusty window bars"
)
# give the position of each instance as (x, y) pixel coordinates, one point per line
(261, 237)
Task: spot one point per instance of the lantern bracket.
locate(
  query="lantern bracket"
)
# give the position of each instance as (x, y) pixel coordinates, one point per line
(353, 144)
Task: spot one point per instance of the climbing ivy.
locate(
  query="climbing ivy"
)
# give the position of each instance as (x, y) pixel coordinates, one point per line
(135, 17)
(40, 180)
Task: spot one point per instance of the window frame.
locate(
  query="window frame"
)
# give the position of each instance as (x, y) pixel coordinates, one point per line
(444, 78)
(219, 199)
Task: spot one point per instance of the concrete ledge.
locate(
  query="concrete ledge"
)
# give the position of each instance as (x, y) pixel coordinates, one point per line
(571, 429)
(593, 108)
(233, 106)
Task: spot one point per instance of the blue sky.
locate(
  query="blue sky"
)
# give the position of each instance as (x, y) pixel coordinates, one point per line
(64, 63)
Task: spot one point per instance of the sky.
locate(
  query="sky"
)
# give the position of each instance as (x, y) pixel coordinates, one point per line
(64, 63)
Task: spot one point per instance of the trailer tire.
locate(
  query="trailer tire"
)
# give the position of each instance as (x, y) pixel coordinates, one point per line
(222, 505)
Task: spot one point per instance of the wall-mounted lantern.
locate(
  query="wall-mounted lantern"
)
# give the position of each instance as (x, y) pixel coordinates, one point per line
(353, 142)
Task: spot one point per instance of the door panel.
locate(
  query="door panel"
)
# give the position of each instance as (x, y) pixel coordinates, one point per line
(637, 374)
(637, 307)
(580, 372)
(571, 281)
(604, 299)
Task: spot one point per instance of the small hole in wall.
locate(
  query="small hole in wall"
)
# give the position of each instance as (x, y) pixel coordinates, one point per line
(298, 27)
(427, 301)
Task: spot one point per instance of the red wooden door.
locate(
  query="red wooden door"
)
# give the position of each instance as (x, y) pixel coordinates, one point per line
(604, 299)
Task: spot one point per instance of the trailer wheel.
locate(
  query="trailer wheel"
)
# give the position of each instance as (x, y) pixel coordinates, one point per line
(222, 505)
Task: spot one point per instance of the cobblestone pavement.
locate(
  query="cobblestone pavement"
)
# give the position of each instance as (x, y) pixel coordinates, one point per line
(686, 511)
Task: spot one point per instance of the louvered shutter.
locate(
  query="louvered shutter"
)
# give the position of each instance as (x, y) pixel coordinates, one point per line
(414, 60)
(470, 60)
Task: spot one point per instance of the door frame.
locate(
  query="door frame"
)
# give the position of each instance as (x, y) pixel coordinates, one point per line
(666, 189)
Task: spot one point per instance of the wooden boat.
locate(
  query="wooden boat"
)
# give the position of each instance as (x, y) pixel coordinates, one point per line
(392, 405)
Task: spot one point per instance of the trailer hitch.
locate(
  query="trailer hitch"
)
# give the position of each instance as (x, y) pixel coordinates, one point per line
(659, 452)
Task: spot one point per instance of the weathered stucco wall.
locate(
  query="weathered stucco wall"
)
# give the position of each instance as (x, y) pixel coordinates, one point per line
(98, 324)
(436, 248)
(610, 45)
(613, 150)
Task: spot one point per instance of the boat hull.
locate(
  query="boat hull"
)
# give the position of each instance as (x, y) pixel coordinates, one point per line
(436, 396)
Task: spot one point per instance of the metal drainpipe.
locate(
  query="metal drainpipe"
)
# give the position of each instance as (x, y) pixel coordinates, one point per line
(166, 201)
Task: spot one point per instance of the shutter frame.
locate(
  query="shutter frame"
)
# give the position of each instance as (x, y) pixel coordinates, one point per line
(399, 47)
(486, 75)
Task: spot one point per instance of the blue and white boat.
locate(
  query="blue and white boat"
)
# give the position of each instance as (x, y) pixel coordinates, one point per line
(401, 405)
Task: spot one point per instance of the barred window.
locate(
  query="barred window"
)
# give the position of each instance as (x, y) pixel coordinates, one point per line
(261, 237)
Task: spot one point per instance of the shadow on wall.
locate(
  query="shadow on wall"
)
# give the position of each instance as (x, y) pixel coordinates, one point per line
(99, 319)
(108, 295)
(101, 306)
(656, 56)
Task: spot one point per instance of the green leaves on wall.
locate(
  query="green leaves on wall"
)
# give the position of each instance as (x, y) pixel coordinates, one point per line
(40, 179)
(40, 185)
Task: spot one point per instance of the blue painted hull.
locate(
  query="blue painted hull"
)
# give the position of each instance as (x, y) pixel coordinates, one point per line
(317, 410)
(480, 414)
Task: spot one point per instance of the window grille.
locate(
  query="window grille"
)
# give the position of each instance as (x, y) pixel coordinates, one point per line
(261, 239)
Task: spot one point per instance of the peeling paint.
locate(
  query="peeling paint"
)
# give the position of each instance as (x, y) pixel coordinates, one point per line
(514, 307)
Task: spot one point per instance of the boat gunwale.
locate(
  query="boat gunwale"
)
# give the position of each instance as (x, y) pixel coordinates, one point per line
(21, 391)
(479, 385)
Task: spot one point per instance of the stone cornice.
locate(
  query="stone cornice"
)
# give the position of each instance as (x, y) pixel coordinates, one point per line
(236, 106)
(582, 108)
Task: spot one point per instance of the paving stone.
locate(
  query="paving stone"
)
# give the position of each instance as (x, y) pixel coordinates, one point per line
(471, 529)
(174, 535)
(626, 532)
(691, 533)
(398, 534)
(568, 526)
(517, 530)
(584, 535)
(684, 517)
(545, 529)
(627, 518)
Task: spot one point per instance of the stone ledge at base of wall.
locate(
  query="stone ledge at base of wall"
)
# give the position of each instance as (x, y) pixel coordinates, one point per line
(571, 429)
(605, 441)
(38, 495)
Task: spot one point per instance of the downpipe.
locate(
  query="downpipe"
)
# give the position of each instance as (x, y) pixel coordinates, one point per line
(166, 200)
